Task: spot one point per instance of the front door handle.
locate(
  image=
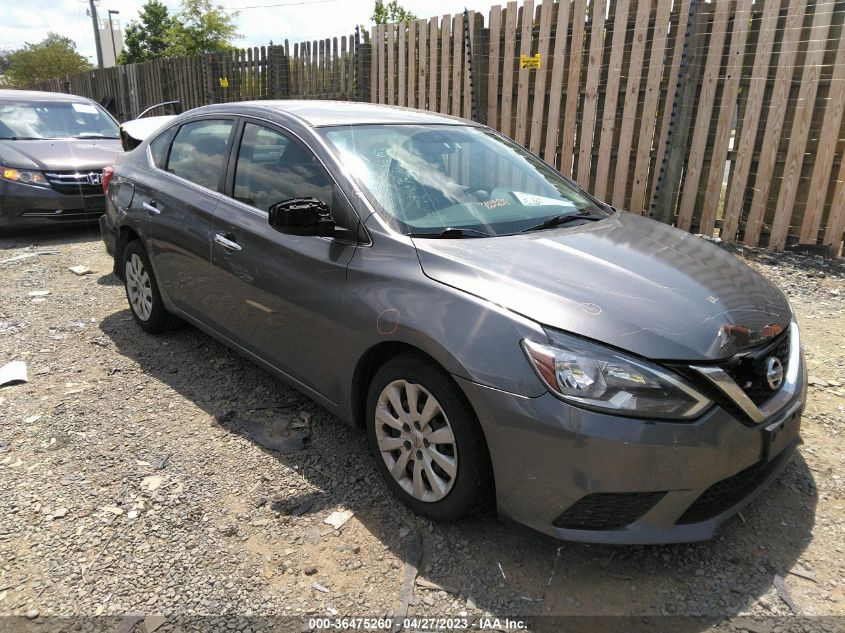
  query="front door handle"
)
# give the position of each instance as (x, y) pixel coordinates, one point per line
(225, 242)
(151, 207)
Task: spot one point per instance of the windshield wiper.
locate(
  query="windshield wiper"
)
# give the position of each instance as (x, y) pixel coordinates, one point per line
(21, 138)
(560, 220)
(93, 135)
(452, 233)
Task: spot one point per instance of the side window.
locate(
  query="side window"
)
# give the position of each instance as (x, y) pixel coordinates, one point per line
(198, 151)
(272, 167)
(158, 147)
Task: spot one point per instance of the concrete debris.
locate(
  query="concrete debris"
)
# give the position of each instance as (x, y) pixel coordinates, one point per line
(338, 518)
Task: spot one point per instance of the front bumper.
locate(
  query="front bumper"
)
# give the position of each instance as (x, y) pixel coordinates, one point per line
(584, 476)
(25, 206)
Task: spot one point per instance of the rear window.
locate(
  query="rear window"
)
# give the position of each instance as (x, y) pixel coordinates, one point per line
(198, 151)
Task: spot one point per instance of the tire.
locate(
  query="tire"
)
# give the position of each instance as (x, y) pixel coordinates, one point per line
(457, 480)
(142, 291)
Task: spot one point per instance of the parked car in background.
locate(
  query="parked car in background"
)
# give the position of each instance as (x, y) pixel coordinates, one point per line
(53, 148)
(498, 332)
(133, 132)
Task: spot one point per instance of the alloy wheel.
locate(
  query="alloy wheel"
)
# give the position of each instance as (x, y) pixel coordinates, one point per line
(138, 287)
(416, 440)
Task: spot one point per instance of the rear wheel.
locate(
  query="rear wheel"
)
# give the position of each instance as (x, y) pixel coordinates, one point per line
(426, 440)
(142, 291)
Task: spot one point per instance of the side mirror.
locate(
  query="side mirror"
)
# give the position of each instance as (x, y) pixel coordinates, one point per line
(302, 216)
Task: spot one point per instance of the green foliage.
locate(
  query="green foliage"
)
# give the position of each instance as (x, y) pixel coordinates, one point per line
(54, 55)
(391, 12)
(201, 27)
(147, 38)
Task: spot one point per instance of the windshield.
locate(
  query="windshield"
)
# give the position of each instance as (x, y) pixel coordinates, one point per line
(425, 179)
(54, 119)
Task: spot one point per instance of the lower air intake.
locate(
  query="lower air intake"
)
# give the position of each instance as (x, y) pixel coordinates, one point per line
(607, 510)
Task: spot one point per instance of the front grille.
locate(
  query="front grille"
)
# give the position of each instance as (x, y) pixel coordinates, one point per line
(749, 371)
(76, 182)
(607, 510)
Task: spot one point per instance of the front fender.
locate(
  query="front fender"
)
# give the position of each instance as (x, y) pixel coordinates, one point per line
(389, 299)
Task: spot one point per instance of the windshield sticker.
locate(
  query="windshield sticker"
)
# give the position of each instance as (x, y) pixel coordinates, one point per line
(533, 200)
(496, 202)
(85, 108)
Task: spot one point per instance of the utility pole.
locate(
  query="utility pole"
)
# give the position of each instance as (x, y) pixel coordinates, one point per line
(111, 32)
(96, 23)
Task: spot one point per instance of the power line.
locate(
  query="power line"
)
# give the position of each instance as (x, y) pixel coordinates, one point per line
(285, 4)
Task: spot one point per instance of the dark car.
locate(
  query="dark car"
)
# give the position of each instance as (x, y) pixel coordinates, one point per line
(500, 334)
(53, 148)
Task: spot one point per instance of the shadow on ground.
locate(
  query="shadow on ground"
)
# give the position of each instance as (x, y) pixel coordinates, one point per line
(42, 237)
(503, 568)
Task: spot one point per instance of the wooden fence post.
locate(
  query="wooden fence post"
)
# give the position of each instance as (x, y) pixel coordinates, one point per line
(479, 69)
(271, 63)
(277, 68)
(207, 79)
(363, 66)
(668, 186)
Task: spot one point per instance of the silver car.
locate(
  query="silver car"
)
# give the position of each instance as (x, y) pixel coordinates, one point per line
(501, 336)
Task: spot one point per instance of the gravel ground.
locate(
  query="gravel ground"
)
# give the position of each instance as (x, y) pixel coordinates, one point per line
(132, 483)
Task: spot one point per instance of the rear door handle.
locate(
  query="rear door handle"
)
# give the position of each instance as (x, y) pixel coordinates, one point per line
(151, 208)
(225, 242)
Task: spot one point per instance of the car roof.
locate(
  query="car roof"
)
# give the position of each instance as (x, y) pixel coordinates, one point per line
(329, 113)
(38, 95)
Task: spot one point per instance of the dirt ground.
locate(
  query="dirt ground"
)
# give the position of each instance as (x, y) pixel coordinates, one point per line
(130, 485)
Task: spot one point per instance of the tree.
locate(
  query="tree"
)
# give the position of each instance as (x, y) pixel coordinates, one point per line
(201, 27)
(147, 38)
(55, 55)
(391, 12)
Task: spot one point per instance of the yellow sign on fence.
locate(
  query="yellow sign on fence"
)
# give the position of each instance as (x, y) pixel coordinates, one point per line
(224, 82)
(532, 63)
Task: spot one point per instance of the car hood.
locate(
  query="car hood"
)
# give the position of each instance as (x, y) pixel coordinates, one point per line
(59, 154)
(627, 281)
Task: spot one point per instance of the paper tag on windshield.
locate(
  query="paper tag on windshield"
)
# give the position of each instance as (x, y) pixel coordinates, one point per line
(495, 202)
(85, 108)
(533, 200)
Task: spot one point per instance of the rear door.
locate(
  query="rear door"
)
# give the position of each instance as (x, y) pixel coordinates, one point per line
(281, 295)
(177, 204)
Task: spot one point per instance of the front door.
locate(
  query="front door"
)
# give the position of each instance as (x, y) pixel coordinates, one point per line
(281, 295)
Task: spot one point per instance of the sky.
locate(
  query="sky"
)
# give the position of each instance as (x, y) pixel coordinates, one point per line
(30, 21)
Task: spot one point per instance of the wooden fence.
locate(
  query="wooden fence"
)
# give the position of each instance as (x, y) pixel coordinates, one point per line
(723, 117)
(322, 69)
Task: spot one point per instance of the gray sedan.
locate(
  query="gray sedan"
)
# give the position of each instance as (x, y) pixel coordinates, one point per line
(501, 336)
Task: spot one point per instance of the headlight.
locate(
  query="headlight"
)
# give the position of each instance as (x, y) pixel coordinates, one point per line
(25, 177)
(600, 378)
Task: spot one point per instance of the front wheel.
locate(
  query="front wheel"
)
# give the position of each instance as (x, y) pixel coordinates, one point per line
(142, 291)
(426, 440)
